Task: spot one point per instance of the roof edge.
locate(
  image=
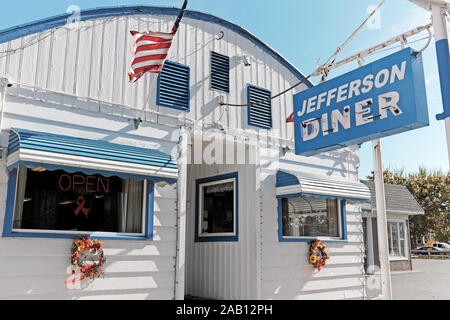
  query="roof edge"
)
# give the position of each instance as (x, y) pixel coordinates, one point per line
(23, 30)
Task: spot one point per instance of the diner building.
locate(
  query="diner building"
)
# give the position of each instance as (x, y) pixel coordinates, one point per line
(190, 197)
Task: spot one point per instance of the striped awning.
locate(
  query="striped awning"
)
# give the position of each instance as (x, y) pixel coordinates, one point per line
(296, 183)
(39, 149)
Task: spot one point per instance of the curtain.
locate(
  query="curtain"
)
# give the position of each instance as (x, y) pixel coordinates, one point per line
(130, 206)
(20, 196)
(308, 216)
(333, 218)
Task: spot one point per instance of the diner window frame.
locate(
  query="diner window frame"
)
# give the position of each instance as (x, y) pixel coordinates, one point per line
(217, 237)
(147, 222)
(390, 240)
(342, 216)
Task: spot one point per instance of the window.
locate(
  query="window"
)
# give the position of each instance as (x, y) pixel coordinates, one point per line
(173, 86)
(260, 114)
(73, 203)
(397, 238)
(220, 72)
(217, 208)
(309, 217)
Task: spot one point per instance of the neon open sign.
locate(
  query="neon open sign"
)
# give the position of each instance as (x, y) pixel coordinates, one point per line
(380, 99)
(89, 184)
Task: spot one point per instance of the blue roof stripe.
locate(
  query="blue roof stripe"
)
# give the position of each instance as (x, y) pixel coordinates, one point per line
(20, 138)
(60, 20)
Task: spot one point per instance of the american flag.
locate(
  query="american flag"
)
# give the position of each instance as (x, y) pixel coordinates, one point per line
(151, 49)
(150, 52)
(290, 119)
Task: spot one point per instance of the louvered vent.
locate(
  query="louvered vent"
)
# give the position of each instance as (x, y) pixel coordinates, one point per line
(220, 72)
(260, 114)
(173, 86)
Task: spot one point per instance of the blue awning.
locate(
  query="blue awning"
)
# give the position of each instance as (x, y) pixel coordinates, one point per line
(33, 148)
(298, 183)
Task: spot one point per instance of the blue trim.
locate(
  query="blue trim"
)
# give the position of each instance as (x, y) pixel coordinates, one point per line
(281, 238)
(266, 120)
(60, 20)
(150, 210)
(69, 169)
(10, 203)
(344, 220)
(443, 56)
(9, 218)
(165, 93)
(234, 238)
(72, 236)
(285, 179)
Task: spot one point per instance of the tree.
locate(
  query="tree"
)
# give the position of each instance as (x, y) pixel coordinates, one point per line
(431, 189)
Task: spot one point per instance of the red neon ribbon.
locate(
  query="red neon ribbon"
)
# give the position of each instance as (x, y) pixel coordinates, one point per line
(81, 202)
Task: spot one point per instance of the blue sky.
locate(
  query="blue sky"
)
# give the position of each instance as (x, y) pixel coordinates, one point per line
(304, 31)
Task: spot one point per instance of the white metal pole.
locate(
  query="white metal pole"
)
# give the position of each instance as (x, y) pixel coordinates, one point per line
(182, 211)
(443, 56)
(383, 249)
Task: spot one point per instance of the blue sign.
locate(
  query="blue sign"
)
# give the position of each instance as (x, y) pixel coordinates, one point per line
(383, 98)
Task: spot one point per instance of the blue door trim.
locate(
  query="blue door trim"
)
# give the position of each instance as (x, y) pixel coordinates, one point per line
(234, 238)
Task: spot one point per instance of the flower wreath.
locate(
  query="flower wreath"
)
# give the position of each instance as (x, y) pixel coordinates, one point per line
(82, 252)
(318, 254)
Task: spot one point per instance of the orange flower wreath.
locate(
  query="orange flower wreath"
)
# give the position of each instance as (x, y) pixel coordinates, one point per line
(89, 268)
(318, 254)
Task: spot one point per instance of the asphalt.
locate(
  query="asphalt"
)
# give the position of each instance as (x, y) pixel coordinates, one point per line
(429, 280)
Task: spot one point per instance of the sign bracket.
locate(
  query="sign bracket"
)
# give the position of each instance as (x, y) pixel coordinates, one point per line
(324, 69)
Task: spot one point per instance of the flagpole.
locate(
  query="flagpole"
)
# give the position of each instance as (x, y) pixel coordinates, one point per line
(180, 16)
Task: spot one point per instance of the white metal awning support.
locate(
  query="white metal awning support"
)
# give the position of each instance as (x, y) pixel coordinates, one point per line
(295, 183)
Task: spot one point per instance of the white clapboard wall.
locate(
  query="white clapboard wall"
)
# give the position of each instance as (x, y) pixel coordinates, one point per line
(285, 271)
(74, 82)
(224, 270)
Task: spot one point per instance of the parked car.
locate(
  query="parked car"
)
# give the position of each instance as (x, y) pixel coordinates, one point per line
(442, 245)
(428, 251)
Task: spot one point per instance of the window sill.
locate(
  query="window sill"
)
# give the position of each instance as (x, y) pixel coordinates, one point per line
(200, 239)
(73, 236)
(284, 239)
(398, 259)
